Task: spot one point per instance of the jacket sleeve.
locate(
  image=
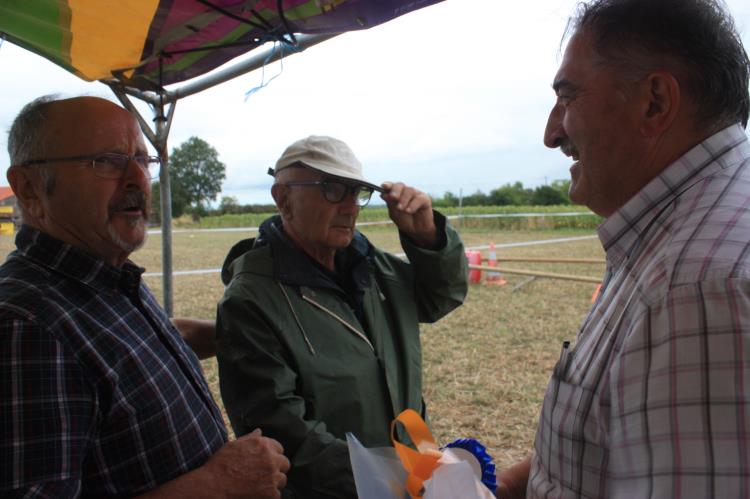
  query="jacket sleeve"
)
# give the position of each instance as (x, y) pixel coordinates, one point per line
(258, 386)
(440, 275)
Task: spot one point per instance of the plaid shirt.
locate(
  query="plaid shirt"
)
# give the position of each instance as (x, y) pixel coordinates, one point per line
(653, 399)
(99, 395)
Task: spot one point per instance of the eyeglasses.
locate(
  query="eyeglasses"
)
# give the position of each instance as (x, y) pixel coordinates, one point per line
(110, 165)
(335, 192)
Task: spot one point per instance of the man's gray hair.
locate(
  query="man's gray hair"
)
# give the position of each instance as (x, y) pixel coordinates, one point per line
(696, 39)
(27, 138)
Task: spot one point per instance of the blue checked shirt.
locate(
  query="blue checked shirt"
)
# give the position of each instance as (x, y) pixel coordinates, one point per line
(99, 395)
(653, 398)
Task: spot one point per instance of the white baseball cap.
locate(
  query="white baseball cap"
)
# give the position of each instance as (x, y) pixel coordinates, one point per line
(325, 154)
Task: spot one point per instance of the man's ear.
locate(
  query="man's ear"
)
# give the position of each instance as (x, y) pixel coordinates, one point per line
(280, 195)
(28, 189)
(662, 101)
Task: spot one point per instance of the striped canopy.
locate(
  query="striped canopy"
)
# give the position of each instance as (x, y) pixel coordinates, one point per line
(151, 43)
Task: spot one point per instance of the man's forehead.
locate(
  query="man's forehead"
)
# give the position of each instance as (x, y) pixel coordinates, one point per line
(96, 120)
(577, 58)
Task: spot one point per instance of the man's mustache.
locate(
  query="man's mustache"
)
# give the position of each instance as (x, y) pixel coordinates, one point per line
(133, 200)
(568, 149)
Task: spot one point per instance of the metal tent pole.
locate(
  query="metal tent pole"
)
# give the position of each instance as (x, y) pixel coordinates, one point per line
(250, 64)
(162, 124)
(158, 138)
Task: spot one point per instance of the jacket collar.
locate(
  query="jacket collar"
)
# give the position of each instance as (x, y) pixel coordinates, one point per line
(294, 267)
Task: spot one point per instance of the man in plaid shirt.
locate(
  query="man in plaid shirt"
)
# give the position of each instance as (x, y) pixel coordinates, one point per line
(652, 399)
(99, 395)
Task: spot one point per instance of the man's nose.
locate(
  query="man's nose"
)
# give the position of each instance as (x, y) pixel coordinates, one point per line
(137, 176)
(554, 133)
(349, 203)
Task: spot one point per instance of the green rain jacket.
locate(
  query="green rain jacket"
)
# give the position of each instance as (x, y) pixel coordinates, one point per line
(307, 361)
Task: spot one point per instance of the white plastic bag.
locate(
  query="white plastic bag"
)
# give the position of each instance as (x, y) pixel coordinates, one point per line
(456, 477)
(379, 474)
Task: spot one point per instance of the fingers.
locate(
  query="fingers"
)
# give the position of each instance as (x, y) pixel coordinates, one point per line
(269, 442)
(252, 466)
(283, 464)
(280, 479)
(405, 198)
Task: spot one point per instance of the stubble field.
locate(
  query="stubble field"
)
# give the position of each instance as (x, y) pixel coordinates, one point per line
(486, 364)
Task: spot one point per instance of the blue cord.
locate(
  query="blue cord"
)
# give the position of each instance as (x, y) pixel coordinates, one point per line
(276, 46)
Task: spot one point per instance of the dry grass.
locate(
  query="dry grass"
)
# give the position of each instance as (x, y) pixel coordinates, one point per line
(486, 365)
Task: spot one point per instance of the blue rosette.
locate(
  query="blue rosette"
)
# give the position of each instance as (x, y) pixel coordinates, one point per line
(479, 451)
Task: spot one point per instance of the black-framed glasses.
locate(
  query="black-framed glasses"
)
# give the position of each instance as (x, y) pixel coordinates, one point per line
(335, 192)
(110, 165)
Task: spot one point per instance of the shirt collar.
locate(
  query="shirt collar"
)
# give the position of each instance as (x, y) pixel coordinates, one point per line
(620, 233)
(75, 263)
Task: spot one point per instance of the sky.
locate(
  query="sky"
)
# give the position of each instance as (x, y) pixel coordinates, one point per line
(452, 97)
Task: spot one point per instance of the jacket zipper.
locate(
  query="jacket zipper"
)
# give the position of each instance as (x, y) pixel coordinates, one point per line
(346, 324)
(296, 319)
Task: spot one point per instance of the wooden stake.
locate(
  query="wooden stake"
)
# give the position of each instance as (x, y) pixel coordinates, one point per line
(549, 260)
(564, 277)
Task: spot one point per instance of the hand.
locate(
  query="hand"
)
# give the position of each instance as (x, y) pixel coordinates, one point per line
(199, 334)
(411, 211)
(251, 467)
(512, 482)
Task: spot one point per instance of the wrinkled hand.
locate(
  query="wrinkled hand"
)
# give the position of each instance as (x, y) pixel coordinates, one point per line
(251, 467)
(411, 211)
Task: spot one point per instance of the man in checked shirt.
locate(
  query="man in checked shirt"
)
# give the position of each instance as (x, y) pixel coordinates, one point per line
(99, 395)
(652, 399)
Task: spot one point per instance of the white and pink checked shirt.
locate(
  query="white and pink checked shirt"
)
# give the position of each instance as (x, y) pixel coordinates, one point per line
(652, 400)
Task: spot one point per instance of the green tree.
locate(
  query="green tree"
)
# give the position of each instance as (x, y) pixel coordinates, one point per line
(178, 200)
(511, 194)
(229, 204)
(545, 195)
(477, 199)
(564, 187)
(196, 175)
(449, 200)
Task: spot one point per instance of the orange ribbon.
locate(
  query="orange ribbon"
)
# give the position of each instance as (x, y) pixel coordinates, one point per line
(419, 463)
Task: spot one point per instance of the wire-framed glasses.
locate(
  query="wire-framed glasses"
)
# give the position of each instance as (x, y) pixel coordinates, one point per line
(335, 192)
(110, 165)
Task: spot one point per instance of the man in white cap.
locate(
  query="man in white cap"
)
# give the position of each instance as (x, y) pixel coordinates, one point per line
(318, 331)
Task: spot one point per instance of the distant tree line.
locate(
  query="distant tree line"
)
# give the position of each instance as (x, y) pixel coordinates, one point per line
(230, 205)
(514, 194)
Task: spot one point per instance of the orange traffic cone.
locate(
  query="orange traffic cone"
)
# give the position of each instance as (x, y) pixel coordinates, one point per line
(475, 258)
(492, 276)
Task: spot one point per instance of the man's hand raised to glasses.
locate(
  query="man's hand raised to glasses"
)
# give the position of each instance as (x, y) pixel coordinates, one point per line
(411, 211)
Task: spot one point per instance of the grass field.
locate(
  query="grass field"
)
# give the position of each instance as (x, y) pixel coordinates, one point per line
(486, 365)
